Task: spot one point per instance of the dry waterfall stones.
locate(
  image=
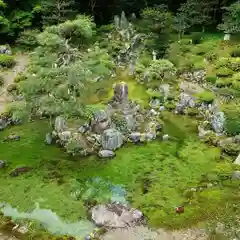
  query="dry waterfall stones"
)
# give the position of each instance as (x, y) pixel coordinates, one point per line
(100, 122)
(116, 215)
(111, 139)
(120, 92)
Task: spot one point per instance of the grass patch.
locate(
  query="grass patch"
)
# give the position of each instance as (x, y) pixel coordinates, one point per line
(156, 175)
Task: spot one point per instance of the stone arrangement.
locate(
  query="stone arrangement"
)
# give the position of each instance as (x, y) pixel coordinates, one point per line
(122, 121)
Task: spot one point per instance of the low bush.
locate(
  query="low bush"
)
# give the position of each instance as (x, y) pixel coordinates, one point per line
(211, 79)
(197, 37)
(224, 72)
(206, 97)
(7, 61)
(235, 52)
(226, 82)
(28, 39)
(12, 87)
(20, 77)
(211, 56)
(234, 64)
(232, 113)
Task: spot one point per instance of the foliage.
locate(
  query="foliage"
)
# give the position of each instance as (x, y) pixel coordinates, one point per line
(211, 79)
(20, 77)
(17, 110)
(62, 79)
(224, 72)
(196, 38)
(206, 97)
(198, 12)
(235, 52)
(57, 11)
(28, 39)
(156, 24)
(161, 69)
(7, 61)
(232, 113)
(231, 20)
(181, 24)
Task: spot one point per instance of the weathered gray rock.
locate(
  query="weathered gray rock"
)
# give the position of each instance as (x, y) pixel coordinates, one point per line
(60, 124)
(135, 137)
(106, 154)
(64, 136)
(2, 164)
(236, 175)
(130, 122)
(202, 133)
(3, 124)
(111, 139)
(115, 216)
(120, 92)
(187, 101)
(165, 137)
(237, 161)
(191, 88)
(218, 121)
(155, 103)
(100, 121)
(48, 138)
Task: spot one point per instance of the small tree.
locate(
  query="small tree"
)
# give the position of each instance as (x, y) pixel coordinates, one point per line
(231, 19)
(156, 23)
(57, 11)
(198, 12)
(181, 24)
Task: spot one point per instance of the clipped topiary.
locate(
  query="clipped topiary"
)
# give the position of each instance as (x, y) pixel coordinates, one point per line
(7, 61)
(224, 72)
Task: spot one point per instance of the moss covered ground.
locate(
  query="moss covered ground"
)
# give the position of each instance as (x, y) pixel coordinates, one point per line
(157, 176)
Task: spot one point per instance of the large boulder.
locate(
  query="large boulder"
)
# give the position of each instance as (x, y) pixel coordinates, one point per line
(106, 154)
(100, 121)
(115, 216)
(218, 121)
(111, 139)
(120, 92)
(237, 161)
(60, 124)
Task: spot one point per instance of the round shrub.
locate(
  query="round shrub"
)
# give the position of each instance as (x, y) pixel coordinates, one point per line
(196, 38)
(160, 69)
(226, 82)
(222, 62)
(232, 124)
(211, 56)
(235, 52)
(19, 78)
(211, 79)
(234, 64)
(170, 106)
(12, 87)
(224, 72)
(206, 97)
(28, 39)
(191, 111)
(7, 61)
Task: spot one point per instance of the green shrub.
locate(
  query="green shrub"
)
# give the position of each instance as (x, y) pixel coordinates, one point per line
(12, 87)
(20, 77)
(236, 85)
(232, 113)
(206, 97)
(28, 39)
(7, 61)
(234, 64)
(170, 106)
(211, 56)
(191, 111)
(222, 62)
(226, 82)
(235, 52)
(197, 38)
(224, 72)
(1, 80)
(211, 79)
(231, 149)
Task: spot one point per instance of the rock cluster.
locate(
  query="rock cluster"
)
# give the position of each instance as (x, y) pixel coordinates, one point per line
(5, 50)
(123, 120)
(116, 215)
(196, 76)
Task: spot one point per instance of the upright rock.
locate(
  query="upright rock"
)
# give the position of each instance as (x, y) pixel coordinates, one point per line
(120, 92)
(100, 121)
(111, 139)
(60, 124)
(218, 121)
